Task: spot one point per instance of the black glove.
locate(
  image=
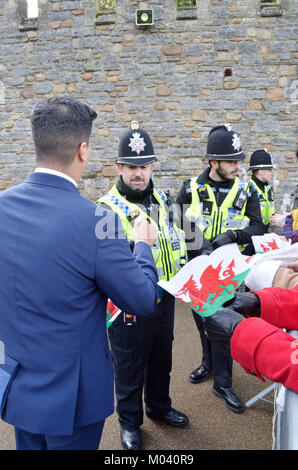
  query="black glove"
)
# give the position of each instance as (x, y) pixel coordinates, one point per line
(224, 239)
(220, 326)
(246, 303)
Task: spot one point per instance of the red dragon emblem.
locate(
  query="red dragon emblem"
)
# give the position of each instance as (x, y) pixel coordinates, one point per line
(213, 284)
(272, 246)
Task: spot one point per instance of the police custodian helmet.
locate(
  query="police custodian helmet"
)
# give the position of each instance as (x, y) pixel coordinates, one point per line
(224, 144)
(135, 147)
(260, 159)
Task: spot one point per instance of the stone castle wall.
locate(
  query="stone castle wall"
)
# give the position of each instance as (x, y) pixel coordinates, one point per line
(169, 76)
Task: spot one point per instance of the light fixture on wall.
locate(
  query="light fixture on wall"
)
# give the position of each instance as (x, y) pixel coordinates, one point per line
(144, 17)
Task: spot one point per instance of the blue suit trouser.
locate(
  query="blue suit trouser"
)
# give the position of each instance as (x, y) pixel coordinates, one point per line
(83, 438)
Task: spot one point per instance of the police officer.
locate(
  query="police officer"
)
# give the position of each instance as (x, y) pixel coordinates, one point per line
(262, 173)
(227, 211)
(142, 350)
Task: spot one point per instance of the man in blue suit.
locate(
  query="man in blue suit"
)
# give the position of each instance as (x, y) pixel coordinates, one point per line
(59, 263)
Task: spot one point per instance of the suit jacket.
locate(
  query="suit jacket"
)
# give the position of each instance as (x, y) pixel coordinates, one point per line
(56, 273)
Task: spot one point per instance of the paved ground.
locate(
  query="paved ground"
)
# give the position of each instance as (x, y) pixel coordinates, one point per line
(212, 426)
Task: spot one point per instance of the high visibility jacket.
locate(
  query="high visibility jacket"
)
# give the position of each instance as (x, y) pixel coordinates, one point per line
(210, 218)
(266, 201)
(169, 251)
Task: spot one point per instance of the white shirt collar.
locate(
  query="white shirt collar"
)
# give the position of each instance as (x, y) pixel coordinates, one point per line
(56, 173)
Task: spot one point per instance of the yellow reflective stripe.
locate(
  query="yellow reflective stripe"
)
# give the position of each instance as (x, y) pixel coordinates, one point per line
(167, 260)
(266, 206)
(218, 221)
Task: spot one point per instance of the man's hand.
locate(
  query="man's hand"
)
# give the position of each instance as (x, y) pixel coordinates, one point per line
(143, 231)
(246, 303)
(221, 325)
(224, 239)
(278, 220)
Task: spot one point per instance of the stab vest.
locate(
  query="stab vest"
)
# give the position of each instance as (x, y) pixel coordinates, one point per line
(210, 218)
(169, 251)
(266, 201)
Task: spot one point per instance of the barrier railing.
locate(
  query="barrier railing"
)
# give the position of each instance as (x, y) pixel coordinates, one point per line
(287, 414)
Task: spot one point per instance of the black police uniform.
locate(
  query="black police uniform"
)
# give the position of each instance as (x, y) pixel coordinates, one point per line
(220, 189)
(264, 187)
(261, 160)
(223, 144)
(142, 350)
(217, 357)
(142, 347)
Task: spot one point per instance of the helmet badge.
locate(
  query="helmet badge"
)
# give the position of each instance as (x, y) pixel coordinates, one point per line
(236, 142)
(137, 143)
(134, 125)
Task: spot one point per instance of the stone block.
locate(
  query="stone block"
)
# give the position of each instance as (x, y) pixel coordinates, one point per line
(186, 13)
(27, 93)
(109, 171)
(199, 115)
(172, 50)
(42, 87)
(163, 90)
(275, 94)
(231, 85)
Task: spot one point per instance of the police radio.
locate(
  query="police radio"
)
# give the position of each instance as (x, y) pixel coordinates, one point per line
(133, 215)
(240, 199)
(203, 192)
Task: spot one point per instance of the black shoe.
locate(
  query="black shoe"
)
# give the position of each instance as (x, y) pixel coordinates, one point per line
(130, 440)
(171, 417)
(199, 374)
(231, 400)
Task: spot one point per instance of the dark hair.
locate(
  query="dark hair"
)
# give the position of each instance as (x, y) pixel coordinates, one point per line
(59, 126)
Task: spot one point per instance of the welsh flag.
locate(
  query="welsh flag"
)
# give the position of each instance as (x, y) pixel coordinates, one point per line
(268, 242)
(111, 313)
(207, 282)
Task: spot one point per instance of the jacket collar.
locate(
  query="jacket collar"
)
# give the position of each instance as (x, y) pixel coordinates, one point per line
(47, 179)
(133, 195)
(259, 183)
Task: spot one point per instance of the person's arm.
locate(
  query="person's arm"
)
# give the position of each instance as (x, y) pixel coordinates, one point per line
(266, 351)
(128, 279)
(279, 306)
(276, 305)
(260, 348)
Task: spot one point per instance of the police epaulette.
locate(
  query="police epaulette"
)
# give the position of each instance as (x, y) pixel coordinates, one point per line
(161, 194)
(186, 185)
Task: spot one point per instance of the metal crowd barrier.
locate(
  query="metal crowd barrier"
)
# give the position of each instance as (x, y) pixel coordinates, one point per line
(287, 420)
(285, 409)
